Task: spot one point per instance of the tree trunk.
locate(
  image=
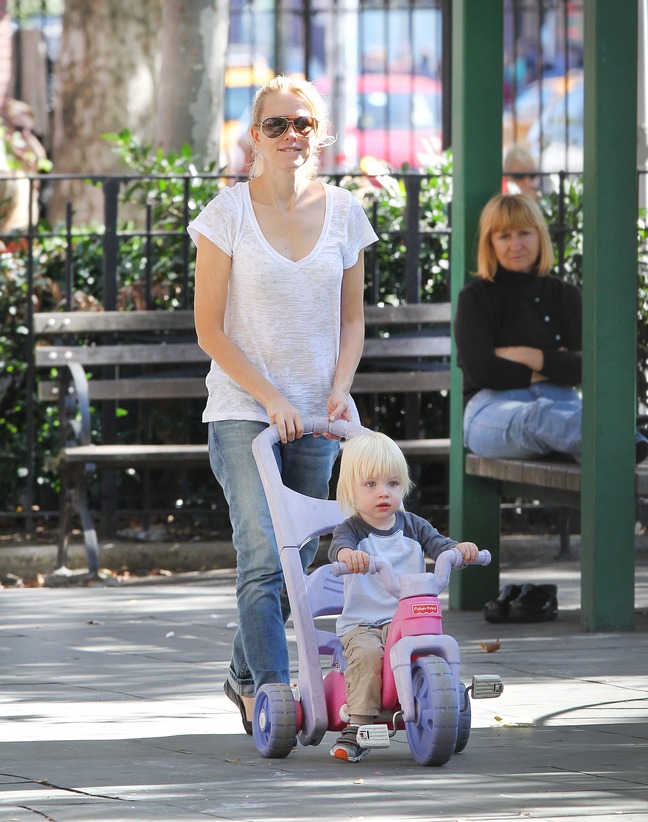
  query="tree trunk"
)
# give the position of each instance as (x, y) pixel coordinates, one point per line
(106, 80)
(192, 77)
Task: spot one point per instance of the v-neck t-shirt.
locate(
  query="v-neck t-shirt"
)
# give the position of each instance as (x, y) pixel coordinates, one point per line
(283, 315)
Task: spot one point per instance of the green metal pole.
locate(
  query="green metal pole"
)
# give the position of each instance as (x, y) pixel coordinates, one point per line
(609, 316)
(477, 82)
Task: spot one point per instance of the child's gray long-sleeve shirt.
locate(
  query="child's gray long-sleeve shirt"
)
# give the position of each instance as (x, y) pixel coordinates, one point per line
(366, 602)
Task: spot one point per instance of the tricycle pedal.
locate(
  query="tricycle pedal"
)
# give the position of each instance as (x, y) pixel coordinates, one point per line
(486, 686)
(373, 736)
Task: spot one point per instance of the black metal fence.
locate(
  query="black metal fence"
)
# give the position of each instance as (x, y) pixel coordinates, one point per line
(140, 258)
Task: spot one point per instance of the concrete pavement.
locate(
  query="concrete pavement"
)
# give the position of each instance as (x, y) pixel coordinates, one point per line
(112, 709)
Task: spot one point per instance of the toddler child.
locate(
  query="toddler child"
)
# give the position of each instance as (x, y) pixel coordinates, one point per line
(374, 479)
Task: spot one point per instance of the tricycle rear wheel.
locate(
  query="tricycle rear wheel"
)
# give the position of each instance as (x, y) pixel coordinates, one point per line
(274, 721)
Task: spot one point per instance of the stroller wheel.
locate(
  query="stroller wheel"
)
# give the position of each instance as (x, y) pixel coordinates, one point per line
(274, 721)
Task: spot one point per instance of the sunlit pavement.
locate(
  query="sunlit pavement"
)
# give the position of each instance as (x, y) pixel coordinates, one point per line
(112, 709)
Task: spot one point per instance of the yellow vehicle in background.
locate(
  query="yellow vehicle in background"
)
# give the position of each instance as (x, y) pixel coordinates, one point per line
(244, 75)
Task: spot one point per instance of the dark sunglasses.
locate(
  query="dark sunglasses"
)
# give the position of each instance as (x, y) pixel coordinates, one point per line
(276, 126)
(523, 175)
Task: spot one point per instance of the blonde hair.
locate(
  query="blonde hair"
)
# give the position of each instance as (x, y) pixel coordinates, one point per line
(517, 159)
(369, 455)
(315, 103)
(506, 212)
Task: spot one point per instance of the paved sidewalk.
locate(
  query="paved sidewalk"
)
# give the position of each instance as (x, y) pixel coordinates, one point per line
(112, 709)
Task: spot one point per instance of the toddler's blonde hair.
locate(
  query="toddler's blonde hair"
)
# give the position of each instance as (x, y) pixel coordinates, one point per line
(369, 455)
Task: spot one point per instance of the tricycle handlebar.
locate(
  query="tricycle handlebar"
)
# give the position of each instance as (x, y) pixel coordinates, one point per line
(444, 564)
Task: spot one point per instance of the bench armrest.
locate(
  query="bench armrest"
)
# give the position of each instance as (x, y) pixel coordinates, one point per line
(75, 405)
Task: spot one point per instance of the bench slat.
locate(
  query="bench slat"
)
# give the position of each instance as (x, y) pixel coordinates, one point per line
(544, 476)
(389, 347)
(133, 456)
(425, 448)
(135, 354)
(396, 382)
(152, 388)
(564, 476)
(407, 314)
(135, 389)
(139, 354)
(106, 322)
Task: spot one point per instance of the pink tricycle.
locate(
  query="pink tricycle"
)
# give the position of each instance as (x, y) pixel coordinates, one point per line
(422, 691)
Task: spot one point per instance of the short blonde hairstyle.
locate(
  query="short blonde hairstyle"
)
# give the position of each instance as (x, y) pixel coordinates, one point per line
(314, 102)
(517, 159)
(369, 455)
(506, 212)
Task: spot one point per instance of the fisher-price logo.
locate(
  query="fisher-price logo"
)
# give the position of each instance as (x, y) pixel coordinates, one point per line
(429, 609)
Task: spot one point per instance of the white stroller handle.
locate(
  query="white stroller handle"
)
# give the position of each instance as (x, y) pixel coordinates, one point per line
(318, 425)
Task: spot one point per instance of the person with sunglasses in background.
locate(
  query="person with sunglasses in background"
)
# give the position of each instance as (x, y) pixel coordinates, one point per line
(520, 173)
(279, 288)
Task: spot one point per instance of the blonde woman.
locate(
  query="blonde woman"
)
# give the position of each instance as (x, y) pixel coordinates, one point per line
(279, 309)
(373, 482)
(518, 335)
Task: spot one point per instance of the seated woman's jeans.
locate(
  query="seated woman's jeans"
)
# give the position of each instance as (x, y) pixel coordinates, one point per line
(524, 422)
(260, 649)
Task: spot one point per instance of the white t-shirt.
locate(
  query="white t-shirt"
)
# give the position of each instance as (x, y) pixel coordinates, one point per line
(283, 315)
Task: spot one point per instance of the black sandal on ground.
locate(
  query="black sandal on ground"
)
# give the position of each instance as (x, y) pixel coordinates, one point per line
(230, 693)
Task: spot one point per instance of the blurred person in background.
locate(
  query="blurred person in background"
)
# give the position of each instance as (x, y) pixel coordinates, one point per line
(520, 175)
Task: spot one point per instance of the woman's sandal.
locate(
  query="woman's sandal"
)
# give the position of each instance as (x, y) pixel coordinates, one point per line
(230, 693)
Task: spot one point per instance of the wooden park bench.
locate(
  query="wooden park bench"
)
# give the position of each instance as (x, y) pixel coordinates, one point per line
(104, 359)
(548, 481)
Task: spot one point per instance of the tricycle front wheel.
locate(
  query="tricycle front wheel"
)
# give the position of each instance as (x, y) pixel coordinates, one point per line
(432, 736)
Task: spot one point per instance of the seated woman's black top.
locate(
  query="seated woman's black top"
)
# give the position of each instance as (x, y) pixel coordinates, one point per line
(517, 309)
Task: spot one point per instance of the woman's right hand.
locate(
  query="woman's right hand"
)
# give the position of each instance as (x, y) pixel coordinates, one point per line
(286, 417)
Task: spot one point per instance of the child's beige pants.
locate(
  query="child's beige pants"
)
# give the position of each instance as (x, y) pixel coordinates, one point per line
(364, 649)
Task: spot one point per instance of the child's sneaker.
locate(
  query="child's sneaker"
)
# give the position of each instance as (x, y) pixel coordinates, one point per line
(346, 746)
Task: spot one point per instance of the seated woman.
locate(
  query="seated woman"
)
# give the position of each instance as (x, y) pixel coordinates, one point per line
(518, 336)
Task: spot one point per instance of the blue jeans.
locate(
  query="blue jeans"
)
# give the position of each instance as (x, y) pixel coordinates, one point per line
(260, 649)
(524, 422)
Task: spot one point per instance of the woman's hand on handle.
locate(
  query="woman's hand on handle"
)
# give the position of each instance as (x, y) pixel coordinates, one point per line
(286, 417)
(337, 408)
(337, 405)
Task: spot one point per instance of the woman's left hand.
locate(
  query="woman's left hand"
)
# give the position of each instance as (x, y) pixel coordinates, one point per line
(337, 408)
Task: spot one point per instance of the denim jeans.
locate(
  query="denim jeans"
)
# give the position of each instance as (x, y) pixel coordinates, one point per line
(260, 649)
(524, 422)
